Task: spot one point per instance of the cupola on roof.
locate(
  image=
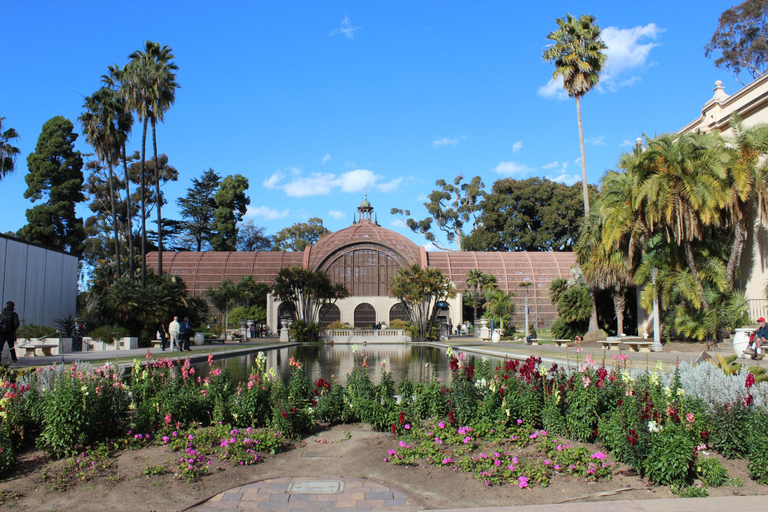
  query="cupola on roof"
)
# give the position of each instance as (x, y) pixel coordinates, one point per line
(364, 233)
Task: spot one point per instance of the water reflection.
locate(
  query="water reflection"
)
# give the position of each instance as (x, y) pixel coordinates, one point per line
(418, 363)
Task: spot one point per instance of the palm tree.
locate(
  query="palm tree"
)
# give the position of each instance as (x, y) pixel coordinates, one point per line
(114, 80)
(8, 153)
(577, 53)
(478, 280)
(605, 267)
(100, 123)
(748, 185)
(152, 90)
(685, 190)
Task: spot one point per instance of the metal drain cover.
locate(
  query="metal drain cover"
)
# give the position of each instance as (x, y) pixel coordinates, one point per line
(316, 487)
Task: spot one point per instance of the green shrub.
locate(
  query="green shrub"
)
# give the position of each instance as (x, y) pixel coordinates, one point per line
(336, 325)
(758, 460)
(671, 456)
(7, 457)
(712, 472)
(303, 332)
(730, 432)
(109, 334)
(30, 331)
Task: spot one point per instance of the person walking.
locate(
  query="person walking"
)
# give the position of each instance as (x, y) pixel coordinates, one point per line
(162, 333)
(173, 330)
(9, 322)
(185, 331)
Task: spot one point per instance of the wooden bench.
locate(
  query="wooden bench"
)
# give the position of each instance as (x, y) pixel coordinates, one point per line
(557, 342)
(31, 350)
(211, 341)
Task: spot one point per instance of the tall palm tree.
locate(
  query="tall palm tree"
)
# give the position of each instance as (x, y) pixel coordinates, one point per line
(8, 153)
(152, 91)
(748, 185)
(114, 80)
(151, 81)
(685, 190)
(577, 53)
(100, 123)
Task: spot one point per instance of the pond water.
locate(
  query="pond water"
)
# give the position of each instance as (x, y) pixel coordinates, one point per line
(419, 363)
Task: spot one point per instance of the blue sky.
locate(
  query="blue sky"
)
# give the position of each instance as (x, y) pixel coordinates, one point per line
(317, 102)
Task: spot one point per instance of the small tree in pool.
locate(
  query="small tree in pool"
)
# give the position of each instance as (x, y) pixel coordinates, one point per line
(419, 291)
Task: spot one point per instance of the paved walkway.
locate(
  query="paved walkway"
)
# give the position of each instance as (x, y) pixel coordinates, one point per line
(351, 494)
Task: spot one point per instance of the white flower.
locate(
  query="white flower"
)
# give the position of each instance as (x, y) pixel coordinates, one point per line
(654, 427)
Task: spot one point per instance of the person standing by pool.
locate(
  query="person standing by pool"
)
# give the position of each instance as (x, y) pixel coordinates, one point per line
(185, 331)
(162, 334)
(173, 330)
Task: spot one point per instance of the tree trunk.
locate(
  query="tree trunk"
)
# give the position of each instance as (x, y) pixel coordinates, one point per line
(143, 209)
(128, 212)
(584, 188)
(694, 273)
(619, 304)
(159, 200)
(114, 220)
(739, 237)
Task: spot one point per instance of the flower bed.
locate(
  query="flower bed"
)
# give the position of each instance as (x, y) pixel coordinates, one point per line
(519, 424)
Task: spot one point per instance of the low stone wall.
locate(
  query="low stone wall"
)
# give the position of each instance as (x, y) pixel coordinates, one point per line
(365, 336)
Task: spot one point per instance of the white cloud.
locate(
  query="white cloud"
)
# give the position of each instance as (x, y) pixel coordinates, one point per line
(357, 181)
(266, 213)
(567, 179)
(626, 143)
(553, 89)
(389, 186)
(596, 141)
(446, 141)
(512, 168)
(272, 181)
(346, 29)
(517, 146)
(318, 184)
(555, 165)
(326, 158)
(337, 214)
(625, 56)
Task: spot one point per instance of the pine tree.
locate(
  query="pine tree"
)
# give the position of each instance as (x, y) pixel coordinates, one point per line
(231, 205)
(55, 176)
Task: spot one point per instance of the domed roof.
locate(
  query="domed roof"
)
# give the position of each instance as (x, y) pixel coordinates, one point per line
(363, 234)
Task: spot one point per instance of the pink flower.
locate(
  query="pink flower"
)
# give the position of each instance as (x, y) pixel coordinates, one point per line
(166, 439)
(407, 426)
(690, 417)
(447, 460)
(522, 482)
(519, 421)
(598, 455)
(467, 440)
(441, 425)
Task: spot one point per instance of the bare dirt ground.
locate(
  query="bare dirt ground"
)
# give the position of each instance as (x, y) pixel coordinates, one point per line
(328, 453)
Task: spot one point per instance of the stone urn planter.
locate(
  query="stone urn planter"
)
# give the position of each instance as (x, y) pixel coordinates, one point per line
(741, 339)
(495, 337)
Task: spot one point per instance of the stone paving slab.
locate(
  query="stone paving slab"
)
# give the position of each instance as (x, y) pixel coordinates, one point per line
(332, 494)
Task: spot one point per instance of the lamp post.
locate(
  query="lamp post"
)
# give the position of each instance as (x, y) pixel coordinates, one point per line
(656, 347)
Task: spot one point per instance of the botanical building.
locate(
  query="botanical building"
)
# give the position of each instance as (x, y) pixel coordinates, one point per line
(365, 257)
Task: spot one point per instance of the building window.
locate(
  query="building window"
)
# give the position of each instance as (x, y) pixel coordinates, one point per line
(365, 316)
(329, 313)
(364, 272)
(397, 312)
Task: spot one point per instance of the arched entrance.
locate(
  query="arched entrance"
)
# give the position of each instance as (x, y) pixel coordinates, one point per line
(397, 312)
(365, 316)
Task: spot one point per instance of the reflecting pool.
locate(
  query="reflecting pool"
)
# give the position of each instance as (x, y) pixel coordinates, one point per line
(417, 362)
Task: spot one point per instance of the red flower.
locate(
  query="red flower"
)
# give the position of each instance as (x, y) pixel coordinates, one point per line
(750, 380)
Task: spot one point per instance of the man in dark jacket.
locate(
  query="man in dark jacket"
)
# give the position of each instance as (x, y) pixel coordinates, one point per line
(185, 331)
(9, 322)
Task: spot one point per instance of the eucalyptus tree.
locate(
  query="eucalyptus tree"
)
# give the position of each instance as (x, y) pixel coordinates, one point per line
(151, 82)
(8, 153)
(577, 53)
(114, 79)
(101, 126)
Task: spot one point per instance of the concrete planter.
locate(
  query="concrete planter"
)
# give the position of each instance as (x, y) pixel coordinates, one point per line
(741, 339)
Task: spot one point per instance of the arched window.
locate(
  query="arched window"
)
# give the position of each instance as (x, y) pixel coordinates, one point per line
(365, 316)
(397, 312)
(329, 313)
(364, 271)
